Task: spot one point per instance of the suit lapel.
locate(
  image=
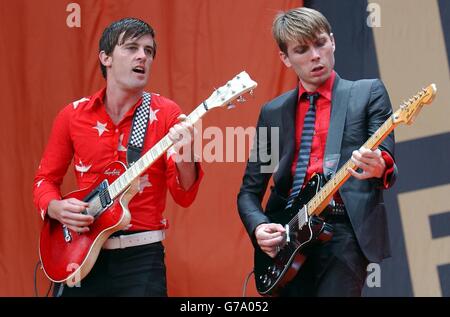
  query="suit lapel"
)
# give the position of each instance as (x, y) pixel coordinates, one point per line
(339, 106)
(287, 138)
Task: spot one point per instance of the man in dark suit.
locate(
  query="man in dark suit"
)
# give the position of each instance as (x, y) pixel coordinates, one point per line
(341, 115)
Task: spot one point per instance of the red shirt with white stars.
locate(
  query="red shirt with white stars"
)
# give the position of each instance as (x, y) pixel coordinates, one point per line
(83, 131)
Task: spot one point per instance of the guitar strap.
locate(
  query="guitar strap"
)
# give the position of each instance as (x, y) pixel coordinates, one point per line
(138, 129)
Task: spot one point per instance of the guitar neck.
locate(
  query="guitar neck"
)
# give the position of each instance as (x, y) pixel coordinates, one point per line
(122, 182)
(318, 203)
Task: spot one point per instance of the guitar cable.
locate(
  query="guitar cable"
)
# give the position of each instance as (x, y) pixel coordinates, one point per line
(244, 289)
(36, 293)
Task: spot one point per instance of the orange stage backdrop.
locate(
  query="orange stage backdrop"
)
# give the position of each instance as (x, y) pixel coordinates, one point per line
(48, 56)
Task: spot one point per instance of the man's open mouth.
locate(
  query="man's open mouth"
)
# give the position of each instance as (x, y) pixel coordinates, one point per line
(139, 70)
(317, 68)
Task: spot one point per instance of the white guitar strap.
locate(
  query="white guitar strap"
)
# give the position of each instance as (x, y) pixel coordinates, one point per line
(138, 129)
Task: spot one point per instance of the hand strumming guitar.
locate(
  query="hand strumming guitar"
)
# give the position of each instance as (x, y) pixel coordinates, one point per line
(68, 212)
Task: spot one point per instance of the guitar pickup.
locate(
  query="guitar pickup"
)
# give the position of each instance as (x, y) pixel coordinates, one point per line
(105, 199)
(99, 200)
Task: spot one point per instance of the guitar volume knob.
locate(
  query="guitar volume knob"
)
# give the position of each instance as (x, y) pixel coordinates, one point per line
(276, 272)
(265, 280)
(273, 269)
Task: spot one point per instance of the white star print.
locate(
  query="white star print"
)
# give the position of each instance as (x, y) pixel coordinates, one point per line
(38, 184)
(143, 182)
(153, 115)
(42, 213)
(101, 127)
(120, 147)
(76, 103)
(82, 168)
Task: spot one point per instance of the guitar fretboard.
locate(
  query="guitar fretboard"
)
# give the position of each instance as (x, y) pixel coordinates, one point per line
(122, 182)
(318, 203)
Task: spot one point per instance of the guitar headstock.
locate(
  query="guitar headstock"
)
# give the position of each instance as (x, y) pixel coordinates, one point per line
(234, 89)
(410, 109)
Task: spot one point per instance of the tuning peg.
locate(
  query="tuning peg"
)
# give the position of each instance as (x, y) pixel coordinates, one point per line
(241, 99)
(231, 106)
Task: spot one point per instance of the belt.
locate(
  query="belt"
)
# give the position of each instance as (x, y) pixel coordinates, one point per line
(132, 240)
(336, 213)
(337, 210)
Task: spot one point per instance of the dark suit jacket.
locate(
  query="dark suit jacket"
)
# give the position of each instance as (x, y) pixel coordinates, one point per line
(358, 109)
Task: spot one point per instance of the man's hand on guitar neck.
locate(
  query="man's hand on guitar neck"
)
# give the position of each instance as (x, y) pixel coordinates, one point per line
(182, 135)
(68, 212)
(270, 236)
(370, 162)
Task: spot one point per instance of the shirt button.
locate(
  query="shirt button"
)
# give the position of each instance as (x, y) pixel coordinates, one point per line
(117, 131)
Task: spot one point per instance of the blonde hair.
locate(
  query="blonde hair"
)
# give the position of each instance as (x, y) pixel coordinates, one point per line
(300, 24)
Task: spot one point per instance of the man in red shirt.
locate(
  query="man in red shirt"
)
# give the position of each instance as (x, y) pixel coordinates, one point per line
(94, 131)
(322, 124)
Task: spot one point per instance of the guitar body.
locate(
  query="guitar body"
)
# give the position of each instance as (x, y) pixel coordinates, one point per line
(67, 256)
(272, 274)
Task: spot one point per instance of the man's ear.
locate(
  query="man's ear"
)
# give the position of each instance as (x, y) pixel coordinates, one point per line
(285, 59)
(105, 59)
(333, 42)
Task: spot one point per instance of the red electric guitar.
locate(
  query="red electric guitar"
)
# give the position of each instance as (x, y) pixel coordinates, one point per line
(66, 256)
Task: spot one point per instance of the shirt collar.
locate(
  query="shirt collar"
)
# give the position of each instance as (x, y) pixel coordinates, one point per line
(325, 90)
(98, 100)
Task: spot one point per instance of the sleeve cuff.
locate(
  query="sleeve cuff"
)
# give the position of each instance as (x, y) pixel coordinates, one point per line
(196, 184)
(44, 201)
(386, 178)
